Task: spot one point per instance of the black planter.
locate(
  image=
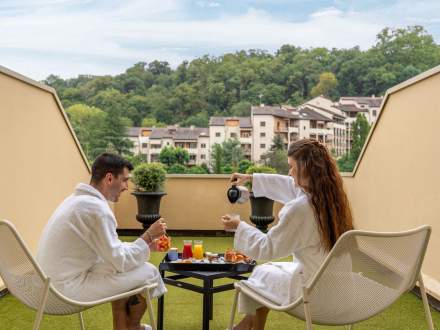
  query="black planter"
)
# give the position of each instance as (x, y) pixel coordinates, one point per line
(262, 210)
(148, 207)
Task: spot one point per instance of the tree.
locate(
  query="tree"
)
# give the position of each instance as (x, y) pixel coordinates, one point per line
(152, 122)
(243, 165)
(176, 169)
(276, 157)
(241, 109)
(167, 156)
(326, 85)
(360, 130)
(217, 158)
(232, 152)
(197, 170)
(88, 124)
(182, 156)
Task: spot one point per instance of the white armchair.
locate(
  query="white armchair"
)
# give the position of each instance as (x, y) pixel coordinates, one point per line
(27, 282)
(363, 274)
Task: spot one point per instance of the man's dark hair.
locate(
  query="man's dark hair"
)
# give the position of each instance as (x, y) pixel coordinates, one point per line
(108, 163)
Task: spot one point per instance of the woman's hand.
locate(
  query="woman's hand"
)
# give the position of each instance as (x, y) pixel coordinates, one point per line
(231, 222)
(156, 230)
(240, 179)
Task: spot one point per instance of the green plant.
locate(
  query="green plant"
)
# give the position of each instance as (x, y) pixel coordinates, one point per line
(149, 177)
(259, 169)
(197, 170)
(176, 169)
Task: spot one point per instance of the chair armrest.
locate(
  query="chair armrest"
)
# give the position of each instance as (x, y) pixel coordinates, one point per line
(242, 288)
(89, 304)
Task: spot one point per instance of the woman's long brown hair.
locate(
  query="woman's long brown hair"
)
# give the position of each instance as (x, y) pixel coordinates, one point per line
(317, 167)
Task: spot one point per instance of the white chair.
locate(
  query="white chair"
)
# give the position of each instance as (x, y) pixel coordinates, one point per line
(363, 274)
(27, 282)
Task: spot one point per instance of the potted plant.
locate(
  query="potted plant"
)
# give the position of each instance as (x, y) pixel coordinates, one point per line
(262, 207)
(149, 180)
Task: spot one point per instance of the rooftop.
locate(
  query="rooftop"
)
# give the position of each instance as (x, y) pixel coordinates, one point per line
(244, 122)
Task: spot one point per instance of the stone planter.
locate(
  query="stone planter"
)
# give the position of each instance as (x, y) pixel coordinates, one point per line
(262, 210)
(148, 207)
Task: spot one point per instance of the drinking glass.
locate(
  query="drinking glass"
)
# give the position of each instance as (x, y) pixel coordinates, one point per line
(187, 249)
(198, 250)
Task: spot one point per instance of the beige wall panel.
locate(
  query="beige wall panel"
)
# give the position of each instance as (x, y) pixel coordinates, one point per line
(40, 162)
(191, 203)
(397, 183)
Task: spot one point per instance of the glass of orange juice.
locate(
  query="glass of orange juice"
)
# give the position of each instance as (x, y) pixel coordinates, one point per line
(198, 250)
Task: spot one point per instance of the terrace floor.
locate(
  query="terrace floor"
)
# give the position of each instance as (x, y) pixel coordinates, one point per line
(183, 308)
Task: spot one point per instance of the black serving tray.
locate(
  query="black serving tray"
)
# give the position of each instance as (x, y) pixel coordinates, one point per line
(167, 265)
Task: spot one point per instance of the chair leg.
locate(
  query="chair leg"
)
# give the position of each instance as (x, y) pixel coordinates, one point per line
(234, 308)
(425, 303)
(150, 310)
(40, 310)
(81, 321)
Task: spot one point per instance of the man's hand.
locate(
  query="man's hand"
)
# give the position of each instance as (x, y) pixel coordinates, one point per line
(231, 222)
(240, 179)
(156, 230)
(153, 246)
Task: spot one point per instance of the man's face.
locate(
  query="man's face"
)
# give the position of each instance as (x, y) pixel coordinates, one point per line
(117, 184)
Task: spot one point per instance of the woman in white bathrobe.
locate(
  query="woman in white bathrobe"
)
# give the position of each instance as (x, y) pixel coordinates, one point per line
(315, 213)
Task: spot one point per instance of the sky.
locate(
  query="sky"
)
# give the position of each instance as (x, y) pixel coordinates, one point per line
(72, 37)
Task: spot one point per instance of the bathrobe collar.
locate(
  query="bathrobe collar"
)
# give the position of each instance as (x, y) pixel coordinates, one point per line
(86, 189)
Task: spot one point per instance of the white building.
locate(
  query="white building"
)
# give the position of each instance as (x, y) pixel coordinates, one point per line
(224, 128)
(318, 118)
(151, 141)
(338, 142)
(351, 106)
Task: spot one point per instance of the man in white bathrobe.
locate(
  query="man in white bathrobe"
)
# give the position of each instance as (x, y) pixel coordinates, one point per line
(81, 252)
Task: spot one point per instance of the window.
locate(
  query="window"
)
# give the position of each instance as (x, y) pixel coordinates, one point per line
(374, 113)
(262, 124)
(262, 146)
(155, 146)
(192, 157)
(193, 145)
(203, 145)
(168, 143)
(304, 128)
(233, 135)
(202, 156)
(144, 145)
(217, 134)
(245, 134)
(262, 134)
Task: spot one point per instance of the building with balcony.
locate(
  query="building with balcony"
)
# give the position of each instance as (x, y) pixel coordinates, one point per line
(351, 106)
(150, 141)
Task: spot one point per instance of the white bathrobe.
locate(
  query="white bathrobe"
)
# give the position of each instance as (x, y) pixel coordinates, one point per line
(295, 234)
(81, 252)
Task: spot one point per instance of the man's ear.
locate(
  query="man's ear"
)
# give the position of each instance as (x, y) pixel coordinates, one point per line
(109, 177)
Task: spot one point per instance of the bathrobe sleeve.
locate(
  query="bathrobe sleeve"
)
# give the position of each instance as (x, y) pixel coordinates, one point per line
(280, 188)
(290, 234)
(97, 226)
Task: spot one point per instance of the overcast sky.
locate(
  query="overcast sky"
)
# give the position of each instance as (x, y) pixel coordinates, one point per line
(71, 37)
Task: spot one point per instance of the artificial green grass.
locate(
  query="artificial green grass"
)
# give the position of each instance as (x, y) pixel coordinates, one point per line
(183, 308)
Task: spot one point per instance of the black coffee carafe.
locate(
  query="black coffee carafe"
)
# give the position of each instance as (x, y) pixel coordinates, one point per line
(238, 194)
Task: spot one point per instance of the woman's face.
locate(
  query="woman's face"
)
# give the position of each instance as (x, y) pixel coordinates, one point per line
(293, 172)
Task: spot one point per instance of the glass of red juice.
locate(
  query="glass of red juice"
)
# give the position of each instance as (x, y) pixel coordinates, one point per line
(187, 249)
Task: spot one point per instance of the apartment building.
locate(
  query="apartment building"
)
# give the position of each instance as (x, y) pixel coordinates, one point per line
(351, 106)
(151, 141)
(338, 143)
(318, 118)
(225, 128)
